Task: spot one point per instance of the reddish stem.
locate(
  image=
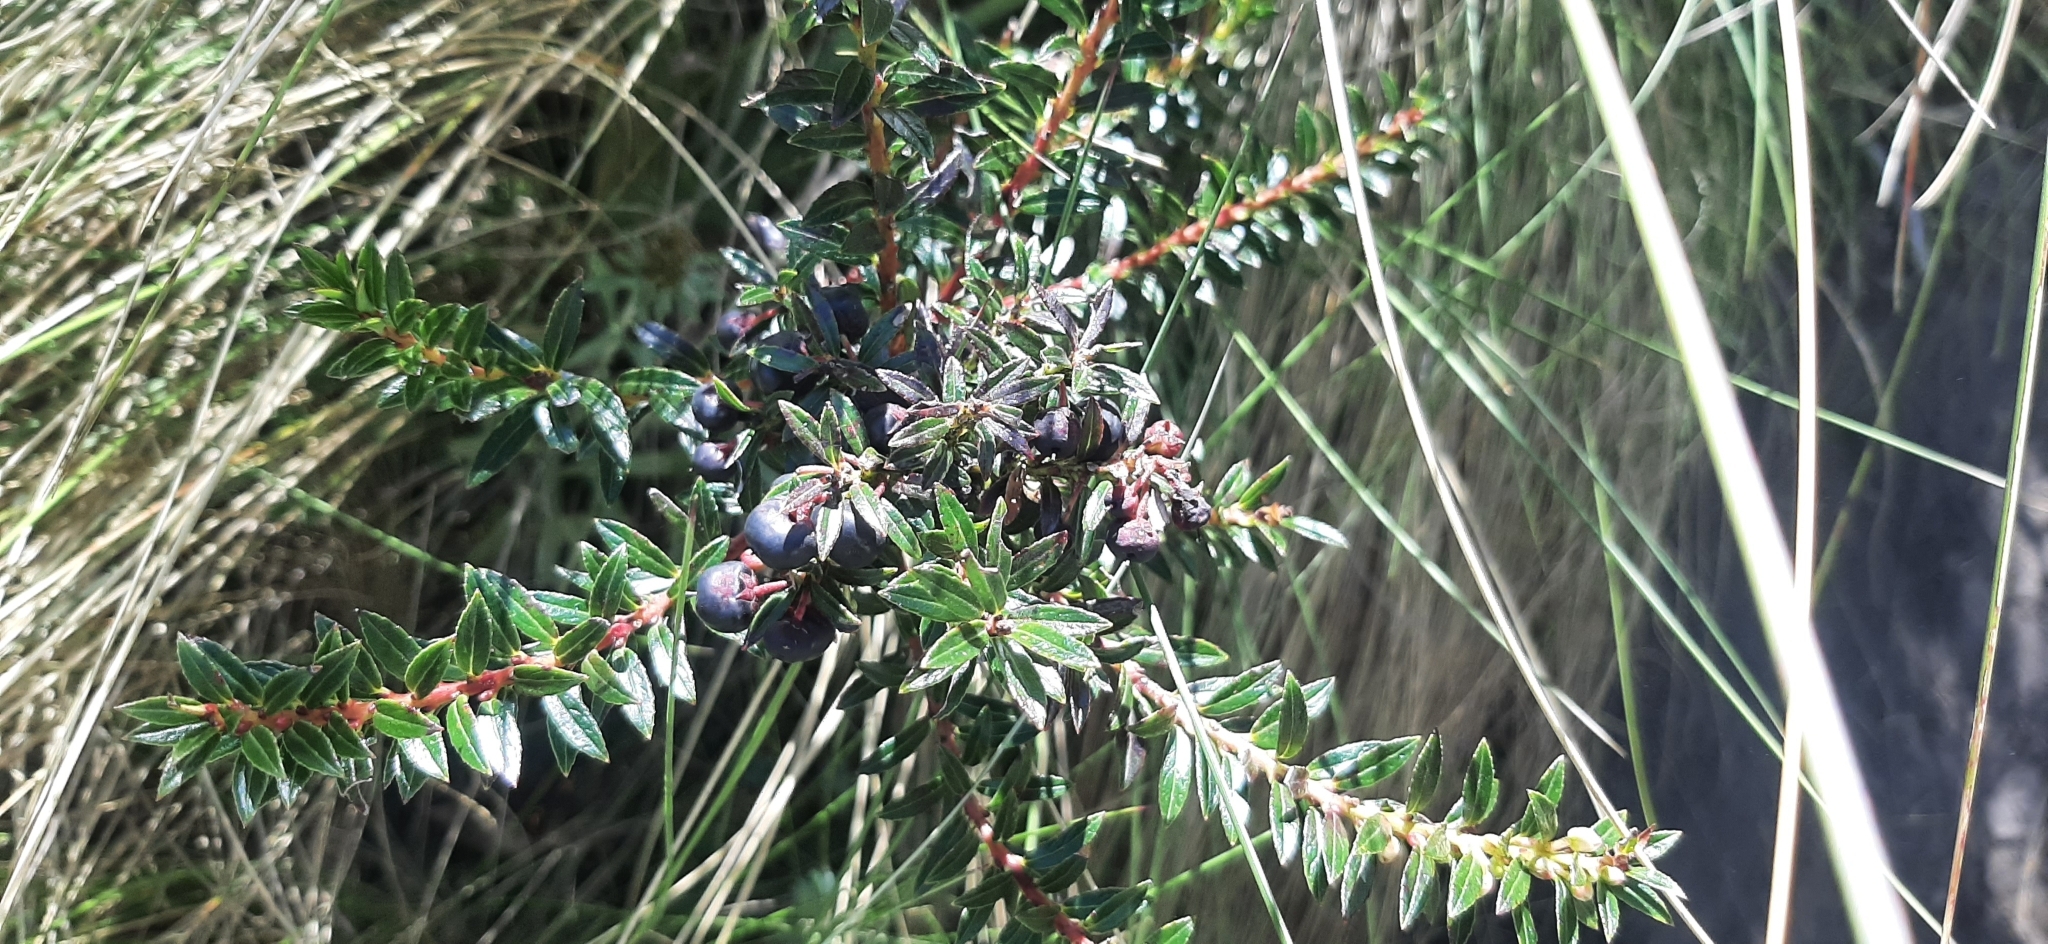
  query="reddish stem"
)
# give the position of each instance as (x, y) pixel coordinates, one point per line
(1062, 106)
(1000, 854)
(486, 685)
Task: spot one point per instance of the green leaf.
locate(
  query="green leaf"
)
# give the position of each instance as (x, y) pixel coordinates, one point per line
(565, 322)
(1362, 866)
(475, 636)
(309, 746)
(958, 524)
(461, 723)
(608, 416)
(1175, 774)
(1178, 931)
(498, 741)
(1293, 733)
(430, 666)
(427, 756)
(1069, 12)
(897, 749)
(579, 642)
(1258, 489)
(1193, 654)
(1362, 764)
(954, 648)
(1316, 531)
(1514, 889)
(610, 594)
(396, 720)
(1468, 882)
(1552, 782)
(249, 789)
(884, 517)
(330, 683)
(365, 358)
(541, 680)
(571, 721)
(161, 736)
(397, 281)
(1047, 642)
(1067, 620)
(345, 741)
(242, 682)
(1525, 927)
(1540, 819)
(1429, 769)
(1643, 899)
(159, 710)
(201, 673)
(259, 748)
(1482, 790)
(604, 682)
(392, 648)
(934, 592)
(633, 676)
(1418, 884)
(504, 444)
(640, 552)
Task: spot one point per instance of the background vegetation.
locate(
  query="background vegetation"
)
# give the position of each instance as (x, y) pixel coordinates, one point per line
(173, 461)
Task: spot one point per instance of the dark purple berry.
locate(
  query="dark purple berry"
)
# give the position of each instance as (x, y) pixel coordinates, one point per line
(769, 235)
(1053, 434)
(798, 638)
(882, 422)
(1188, 512)
(714, 461)
(1052, 514)
(1119, 611)
(780, 541)
(732, 326)
(1136, 540)
(768, 379)
(711, 411)
(849, 312)
(718, 596)
(1105, 431)
(859, 543)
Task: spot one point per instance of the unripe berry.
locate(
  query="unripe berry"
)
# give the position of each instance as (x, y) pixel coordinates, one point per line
(718, 596)
(714, 461)
(1164, 438)
(711, 411)
(780, 541)
(798, 639)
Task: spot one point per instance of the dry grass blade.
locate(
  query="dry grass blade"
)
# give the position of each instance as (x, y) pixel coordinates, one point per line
(1778, 914)
(1875, 913)
(2016, 457)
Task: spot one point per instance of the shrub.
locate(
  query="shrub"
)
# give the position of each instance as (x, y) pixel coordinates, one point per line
(910, 425)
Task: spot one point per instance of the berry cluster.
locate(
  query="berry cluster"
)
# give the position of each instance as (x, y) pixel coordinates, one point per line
(805, 398)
